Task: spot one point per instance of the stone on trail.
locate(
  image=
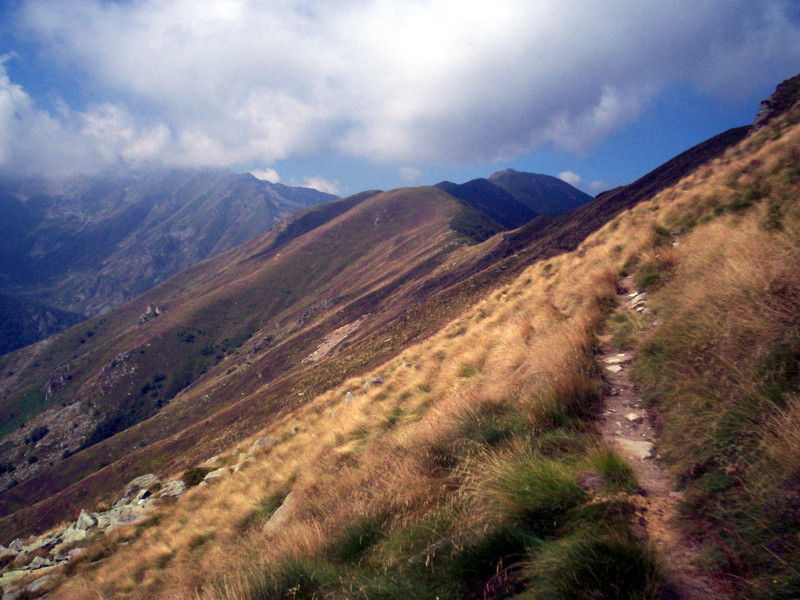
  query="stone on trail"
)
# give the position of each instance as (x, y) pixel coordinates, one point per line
(634, 418)
(613, 368)
(636, 449)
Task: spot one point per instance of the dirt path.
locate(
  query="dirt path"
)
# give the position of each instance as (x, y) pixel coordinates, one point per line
(625, 426)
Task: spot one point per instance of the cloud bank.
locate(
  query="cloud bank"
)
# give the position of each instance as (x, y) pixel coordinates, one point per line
(243, 82)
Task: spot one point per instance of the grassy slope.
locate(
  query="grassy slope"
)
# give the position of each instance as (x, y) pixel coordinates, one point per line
(441, 292)
(723, 366)
(474, 470)
(348, 281)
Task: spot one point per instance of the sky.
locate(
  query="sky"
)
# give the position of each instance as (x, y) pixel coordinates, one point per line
(376, 94)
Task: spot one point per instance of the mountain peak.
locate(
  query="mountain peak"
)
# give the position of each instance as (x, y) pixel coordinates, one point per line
(497, 174)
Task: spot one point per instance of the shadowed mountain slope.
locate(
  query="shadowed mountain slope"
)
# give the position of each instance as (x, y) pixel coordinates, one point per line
(491, 200)
(23, 322)
(543, 194)
(88, 244)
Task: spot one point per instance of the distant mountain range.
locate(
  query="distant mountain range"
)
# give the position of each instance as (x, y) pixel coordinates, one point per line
(512, 198)
(72, 249)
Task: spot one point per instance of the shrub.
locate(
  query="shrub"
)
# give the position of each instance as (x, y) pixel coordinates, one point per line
(194, 476)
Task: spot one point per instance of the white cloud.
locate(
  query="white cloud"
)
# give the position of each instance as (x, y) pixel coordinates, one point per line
(410, 174)
(598, 185)
(321, 184)
(270, 175)
(571, 178)
(227, 82)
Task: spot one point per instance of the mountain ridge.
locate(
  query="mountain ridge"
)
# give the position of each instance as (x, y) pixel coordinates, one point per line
(87, 244)
(439, 282)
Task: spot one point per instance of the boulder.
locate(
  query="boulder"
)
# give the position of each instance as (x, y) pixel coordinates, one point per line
(121, 502)
(216, 474)
(282, 514)
(176, 487)
(86, 520)
(40, 563)
(71, 536)
(16, 546)
(348, 398)
(40, 585)
(262, 445)
(142, 482)
(374, 381)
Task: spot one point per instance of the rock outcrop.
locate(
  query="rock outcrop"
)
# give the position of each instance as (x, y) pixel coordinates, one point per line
(785, 96)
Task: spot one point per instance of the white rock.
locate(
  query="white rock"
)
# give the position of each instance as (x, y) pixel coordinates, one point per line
(635, 449)
(216, 474)
(262, 445)
(86, 520)
(142, 482)
(616, 360)
(614, 368)
(281, 515)
(175, 487)
(634, 418)
(348, 398)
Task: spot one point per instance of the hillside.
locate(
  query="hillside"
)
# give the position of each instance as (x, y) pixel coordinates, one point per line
(543, 194)
(25, 322)
(88, 244)
(472, 462)
(493, 201)
(243, 324)
(384, 408)
(185, 353)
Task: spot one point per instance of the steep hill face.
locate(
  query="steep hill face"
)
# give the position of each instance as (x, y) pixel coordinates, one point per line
(491, 200)
(470, 462)
(543, 194)
(23, 322)
(208, 351)
(232, 343)
(89, 244)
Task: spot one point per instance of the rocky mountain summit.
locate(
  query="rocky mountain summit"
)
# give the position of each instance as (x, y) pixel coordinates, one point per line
(85, 245)
(782, 99)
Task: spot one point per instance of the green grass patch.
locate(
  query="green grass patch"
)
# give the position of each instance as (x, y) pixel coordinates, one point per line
(592, 563)
(625, 328)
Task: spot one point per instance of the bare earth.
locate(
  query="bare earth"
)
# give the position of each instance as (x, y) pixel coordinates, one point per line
(626, 427)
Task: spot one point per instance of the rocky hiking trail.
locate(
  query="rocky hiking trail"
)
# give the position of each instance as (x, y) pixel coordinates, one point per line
(627, 427)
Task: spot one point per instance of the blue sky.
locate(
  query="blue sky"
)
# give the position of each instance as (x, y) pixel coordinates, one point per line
(367, 94)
